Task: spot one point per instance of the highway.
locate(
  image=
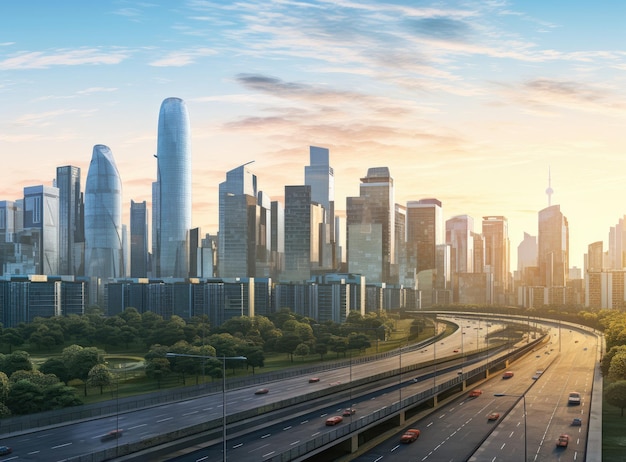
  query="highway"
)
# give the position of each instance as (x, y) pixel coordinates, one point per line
(460, 431)
(264, 442)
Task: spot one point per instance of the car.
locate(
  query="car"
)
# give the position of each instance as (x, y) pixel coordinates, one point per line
(314, 379)
(348, 411)
(410, 435)
(562, 441)
(455, 351)
(507, 375)
(575, 341)
(5, 450)
(577, 422)
(334, 420)
(262, 391)
(112, 435)
(573, 398)
(493, 416)
(475, 393)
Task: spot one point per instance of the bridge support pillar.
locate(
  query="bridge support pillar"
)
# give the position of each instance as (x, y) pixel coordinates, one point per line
(402, 416)
(354, 443)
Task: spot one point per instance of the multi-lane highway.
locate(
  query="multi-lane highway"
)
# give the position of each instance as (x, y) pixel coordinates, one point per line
(457, 426)
(461, 430)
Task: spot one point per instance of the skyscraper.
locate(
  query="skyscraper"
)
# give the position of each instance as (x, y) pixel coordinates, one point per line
(238, 219)
(41, 224)
(553, 247)
(71, 223)
(497, 253)
(459, 231)
(425, 231)
(138, 239)
(370, 222)
(173, 189)
(319, 175)
(103, 216)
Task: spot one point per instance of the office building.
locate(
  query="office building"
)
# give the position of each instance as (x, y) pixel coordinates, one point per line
(103, 217)
(41, 227)
(495, 232)
(138, 239)
(553, 247)
(370, 224)
(71, 221)
(302, 219)
(425, 231)
(172, 193)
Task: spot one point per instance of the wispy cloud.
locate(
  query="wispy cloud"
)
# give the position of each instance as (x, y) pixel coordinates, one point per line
(182, 58)
(78, 57)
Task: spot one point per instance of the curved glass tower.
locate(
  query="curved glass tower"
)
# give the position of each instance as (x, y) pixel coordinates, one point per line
(173, 189)
(103, 216)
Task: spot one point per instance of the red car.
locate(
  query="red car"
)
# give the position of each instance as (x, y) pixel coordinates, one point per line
(475, 393)
(262, 391)
(347, 412)
(112, 435)
(563, 441)
(334, 420)
(410, 435)
(493, 416)
(507, 375)
(314, 380)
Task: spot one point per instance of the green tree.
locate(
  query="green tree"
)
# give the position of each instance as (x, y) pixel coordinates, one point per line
(4, 387)
(157, 368)
(617, 369)
(615, 395)
(302, 350)
(255, 357)
(288, 343)
(57, 367)
(25, 398)
(605, 364)
(79, 362)
(11, 337)
(59, 396)
(321, 349)
(99, 376)
(17, 361)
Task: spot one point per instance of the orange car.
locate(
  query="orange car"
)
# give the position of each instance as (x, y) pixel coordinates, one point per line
(563, 441)
(410, 435)
(475, 393)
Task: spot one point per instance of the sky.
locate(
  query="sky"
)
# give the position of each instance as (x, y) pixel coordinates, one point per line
(474, 103)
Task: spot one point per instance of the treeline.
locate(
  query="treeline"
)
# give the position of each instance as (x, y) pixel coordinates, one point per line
(26, 389)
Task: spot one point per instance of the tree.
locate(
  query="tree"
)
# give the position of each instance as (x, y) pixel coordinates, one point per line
(615, 395)
(617, 369)
(24, 398)
(79, 362)
(255, 357)
(288, 343)
(608, 357)
(59, 396)
(321, 349)
(4, 387)
(99, 376)
(157, 369)
(11, 337)
(17, 361)
(302, 350)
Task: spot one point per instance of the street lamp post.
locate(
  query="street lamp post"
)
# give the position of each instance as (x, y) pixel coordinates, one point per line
(223, 359)
(523, 398)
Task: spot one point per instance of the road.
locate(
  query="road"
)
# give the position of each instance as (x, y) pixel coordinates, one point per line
(461, 431)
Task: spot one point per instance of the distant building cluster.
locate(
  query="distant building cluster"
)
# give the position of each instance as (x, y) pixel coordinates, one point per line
(62, 248)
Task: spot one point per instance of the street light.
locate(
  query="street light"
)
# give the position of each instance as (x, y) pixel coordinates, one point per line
(223, 359)
(523, 397)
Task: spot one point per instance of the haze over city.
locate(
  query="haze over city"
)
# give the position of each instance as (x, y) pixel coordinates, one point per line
(472, 103)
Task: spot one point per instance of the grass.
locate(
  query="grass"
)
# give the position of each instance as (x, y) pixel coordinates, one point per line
(613, 434)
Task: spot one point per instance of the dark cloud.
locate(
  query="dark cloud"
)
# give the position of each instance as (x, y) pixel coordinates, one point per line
(441, 28)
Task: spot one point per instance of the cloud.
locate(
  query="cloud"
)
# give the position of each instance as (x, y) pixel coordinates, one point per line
(80, 57)
(441, 28)
(182, 58)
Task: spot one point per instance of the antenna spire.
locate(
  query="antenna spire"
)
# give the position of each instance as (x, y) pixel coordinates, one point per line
(549, 190)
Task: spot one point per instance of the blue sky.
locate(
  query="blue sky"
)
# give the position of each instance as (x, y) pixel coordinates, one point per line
(470, 102)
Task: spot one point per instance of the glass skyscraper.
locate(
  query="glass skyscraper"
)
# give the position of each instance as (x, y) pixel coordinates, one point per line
(138, 239)
(103, 216)
(173, 190)
(41, 226)
(71, 233)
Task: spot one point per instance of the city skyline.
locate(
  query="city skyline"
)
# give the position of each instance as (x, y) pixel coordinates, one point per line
(472, 104)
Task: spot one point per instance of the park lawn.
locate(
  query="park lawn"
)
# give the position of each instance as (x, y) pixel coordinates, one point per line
(613, 435)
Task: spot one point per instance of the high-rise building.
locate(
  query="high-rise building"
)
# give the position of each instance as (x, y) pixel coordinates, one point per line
(553, 247)
(103, 217)
(459, 231)
(495, 230)
(173, 190)
(370, 224)
(71, 223)
(617, 245)
(41, 224)
(319, 175)
(10, 225)
(138, 239)
(595, 257)
(300, 233)
(425, 231)
(243, 239)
